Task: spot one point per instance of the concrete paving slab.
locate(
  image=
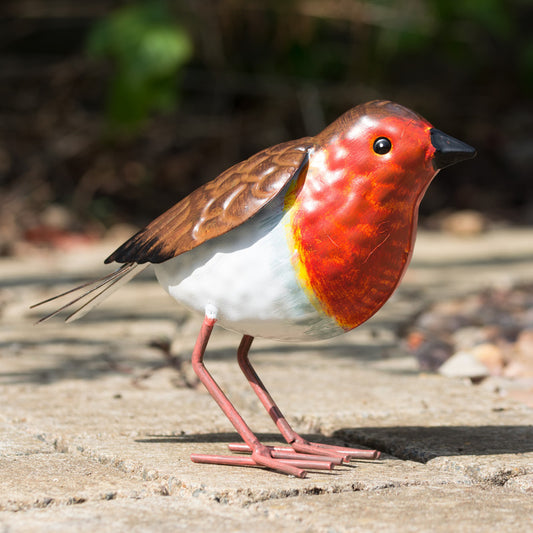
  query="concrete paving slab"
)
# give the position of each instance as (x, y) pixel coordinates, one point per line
(134, 431)
(36, 475)
(412, 508)
(161, 514)
(137, 431)
(92, 416)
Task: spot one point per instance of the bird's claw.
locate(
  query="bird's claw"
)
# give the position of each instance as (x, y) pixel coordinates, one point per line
(286, 466)
(282, 459)
(336, 451)
(303, 454)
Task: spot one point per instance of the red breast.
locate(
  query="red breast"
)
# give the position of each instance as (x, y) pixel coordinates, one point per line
(354, 214)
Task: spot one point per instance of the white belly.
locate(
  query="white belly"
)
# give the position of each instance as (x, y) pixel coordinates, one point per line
(247, 277)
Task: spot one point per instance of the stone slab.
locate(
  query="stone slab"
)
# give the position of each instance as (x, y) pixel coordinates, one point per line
(408, 509)
(97, 426)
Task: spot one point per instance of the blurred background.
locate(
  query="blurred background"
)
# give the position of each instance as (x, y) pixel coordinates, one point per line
(110, 112)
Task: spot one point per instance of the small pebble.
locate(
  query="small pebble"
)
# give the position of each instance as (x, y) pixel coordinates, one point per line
(491, 356)
(465, 223)
(464, 365)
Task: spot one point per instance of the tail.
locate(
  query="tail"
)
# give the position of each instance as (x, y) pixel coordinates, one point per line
(92, 292)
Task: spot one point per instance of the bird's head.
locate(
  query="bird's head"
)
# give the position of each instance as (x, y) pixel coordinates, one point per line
(392, 145)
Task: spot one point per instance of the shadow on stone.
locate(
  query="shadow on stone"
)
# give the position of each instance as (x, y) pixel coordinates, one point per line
(229, 437)
(414, 443)
(71, 360)
(422, 443)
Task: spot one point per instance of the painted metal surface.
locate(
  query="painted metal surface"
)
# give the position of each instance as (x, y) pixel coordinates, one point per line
(303, 241)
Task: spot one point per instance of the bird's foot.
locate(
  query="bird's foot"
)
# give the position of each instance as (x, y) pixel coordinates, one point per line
(281, 459)
(303, 446)
(328, 452)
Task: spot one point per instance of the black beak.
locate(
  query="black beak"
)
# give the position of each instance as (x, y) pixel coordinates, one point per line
(448, 150)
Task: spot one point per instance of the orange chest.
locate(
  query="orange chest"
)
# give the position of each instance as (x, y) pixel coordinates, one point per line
(352, 240)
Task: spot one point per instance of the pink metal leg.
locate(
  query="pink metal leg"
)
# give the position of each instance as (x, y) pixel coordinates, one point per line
(297, 443)
(282, 460)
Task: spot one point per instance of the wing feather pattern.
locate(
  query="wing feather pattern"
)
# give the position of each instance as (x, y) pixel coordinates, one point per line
(218, 206)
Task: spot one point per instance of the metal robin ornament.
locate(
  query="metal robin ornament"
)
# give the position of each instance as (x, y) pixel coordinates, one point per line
(302, 241)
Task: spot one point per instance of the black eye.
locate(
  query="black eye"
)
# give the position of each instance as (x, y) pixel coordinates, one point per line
(382, 145)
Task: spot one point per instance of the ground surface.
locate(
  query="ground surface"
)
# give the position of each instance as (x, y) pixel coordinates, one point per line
(96, 431)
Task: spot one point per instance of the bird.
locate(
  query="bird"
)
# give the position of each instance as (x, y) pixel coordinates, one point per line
(303, 241)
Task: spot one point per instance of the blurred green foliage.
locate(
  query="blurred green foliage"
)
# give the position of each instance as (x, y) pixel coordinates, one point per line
(263, 71)
(147, 49)
(380, 43)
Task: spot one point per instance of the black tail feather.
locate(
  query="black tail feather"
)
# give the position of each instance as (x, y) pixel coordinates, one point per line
(105, 287)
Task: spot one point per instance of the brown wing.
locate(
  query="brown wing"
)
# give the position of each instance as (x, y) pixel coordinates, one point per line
(218, 206)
